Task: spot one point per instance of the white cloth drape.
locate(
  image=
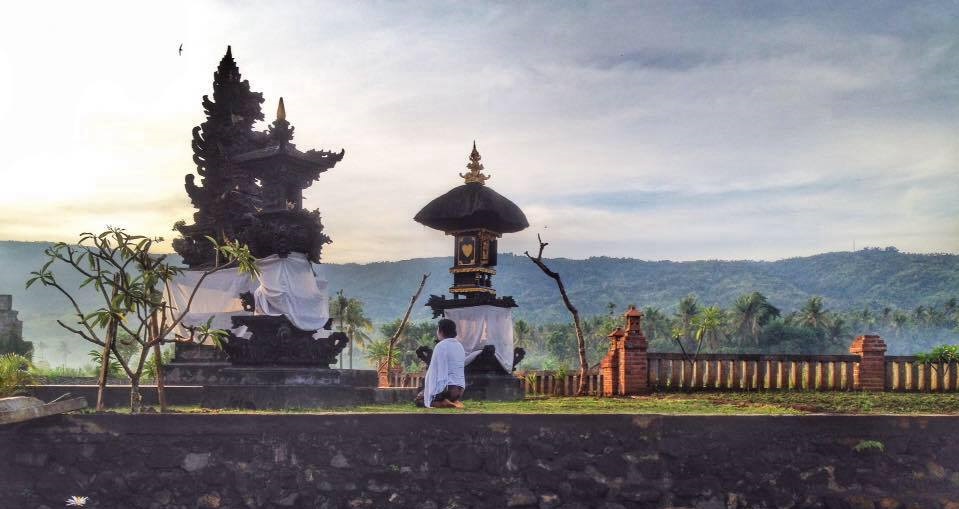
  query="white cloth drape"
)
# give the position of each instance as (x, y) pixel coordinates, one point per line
(479, 326)
(290, 286)
(218, 297)
(446, 368)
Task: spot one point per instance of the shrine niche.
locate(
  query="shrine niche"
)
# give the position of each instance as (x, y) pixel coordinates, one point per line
(476, 217)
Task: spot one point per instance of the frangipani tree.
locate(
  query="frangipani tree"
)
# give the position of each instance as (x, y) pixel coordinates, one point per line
(131, 281)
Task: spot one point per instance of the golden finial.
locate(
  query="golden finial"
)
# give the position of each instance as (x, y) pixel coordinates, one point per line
(475, 167)
(281, 111)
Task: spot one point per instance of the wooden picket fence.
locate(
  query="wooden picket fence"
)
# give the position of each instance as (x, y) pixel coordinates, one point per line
(550, 383)
(745, 372)
(906, 374)
(407, 379)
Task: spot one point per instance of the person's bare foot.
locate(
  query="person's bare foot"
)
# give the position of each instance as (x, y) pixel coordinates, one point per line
(458, 404)
(445, 403)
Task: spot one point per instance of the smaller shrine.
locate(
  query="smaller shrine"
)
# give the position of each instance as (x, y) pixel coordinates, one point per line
(476, 217)
(11, 330)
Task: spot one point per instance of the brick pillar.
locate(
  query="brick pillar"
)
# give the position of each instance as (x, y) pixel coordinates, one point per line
(870, 374)
(633, 362)
(609, 367)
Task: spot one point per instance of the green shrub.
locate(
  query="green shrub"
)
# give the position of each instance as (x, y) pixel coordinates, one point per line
(941, 353)
(14, 374)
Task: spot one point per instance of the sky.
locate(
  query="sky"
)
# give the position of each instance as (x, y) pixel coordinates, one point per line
(651, 130)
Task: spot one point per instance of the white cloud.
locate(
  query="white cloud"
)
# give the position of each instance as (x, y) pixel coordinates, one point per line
(756, 133)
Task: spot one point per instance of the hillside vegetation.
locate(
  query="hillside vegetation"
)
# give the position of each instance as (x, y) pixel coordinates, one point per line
(847, 281)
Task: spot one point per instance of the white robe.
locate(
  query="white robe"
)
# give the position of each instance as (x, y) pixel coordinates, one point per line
(446, 368)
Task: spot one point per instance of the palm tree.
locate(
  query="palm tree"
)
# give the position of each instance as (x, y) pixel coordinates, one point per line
(813, 314)
(751, 313)
(709, 324)
(521, 330)
(886, 315)
(656, 325)
(688, 308)
(899, 320)
(338, 312)
(837, 331)
(922, 316)
(358, 325)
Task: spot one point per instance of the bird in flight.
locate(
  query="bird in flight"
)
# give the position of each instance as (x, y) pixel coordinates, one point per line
(180, 51)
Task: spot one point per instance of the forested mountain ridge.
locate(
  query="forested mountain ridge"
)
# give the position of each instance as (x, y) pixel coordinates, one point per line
(873, 278)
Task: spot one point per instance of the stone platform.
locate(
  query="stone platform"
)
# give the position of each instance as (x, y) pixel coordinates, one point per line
(493, 387)
(202, 375)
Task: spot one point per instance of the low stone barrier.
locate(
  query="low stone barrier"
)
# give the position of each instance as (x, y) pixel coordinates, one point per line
(473, 461)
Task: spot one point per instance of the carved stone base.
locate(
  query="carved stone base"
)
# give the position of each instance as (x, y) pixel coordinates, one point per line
(277, 342)
(484, 363)
(485, 377)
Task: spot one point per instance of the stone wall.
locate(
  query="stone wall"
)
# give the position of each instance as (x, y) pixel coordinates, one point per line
(473, 461)
(11, 329)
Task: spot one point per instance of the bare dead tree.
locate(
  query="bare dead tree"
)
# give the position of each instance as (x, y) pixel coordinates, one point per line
(399, 330)
(580, 340)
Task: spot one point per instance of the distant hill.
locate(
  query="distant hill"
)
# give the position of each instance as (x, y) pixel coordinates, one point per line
(846, 280)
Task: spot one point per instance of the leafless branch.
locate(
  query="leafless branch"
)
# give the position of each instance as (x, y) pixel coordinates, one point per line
(399, 330)
(581, 341)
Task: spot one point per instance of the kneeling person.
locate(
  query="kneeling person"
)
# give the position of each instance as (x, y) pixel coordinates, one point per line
(445, 381)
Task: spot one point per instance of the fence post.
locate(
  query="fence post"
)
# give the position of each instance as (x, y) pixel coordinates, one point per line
(870, 374)
(609, 367)
(634, 362)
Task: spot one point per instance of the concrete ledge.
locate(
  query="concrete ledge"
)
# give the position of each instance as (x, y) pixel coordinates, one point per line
(473, 461)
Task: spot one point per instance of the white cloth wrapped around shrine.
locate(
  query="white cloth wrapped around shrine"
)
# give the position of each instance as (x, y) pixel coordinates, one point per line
(218, 297)
(478, 326)
(290, 286)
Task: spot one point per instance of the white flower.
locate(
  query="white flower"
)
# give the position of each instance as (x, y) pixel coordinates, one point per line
(77, 501)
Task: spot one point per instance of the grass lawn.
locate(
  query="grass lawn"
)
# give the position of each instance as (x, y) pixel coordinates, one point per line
(716, 403)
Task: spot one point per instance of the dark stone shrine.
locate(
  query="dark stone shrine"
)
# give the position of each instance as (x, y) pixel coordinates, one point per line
(476, 216)
(251, 191)
(11, 330)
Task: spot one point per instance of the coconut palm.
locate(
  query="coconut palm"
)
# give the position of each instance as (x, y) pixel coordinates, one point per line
(358, 325)
(899, 320)
(837, 331)
(813, 314)
(338, 312)
(688, 308)
(348, 312)
(708, 326)
(521, 331)
(751, 313)
(656, 325)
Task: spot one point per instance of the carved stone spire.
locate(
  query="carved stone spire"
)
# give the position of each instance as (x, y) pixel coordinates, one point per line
(475, 167)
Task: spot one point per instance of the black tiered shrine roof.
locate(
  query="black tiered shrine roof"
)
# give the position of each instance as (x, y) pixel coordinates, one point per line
(473, 205)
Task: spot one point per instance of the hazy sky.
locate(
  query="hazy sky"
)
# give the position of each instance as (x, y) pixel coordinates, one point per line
(661, 130)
